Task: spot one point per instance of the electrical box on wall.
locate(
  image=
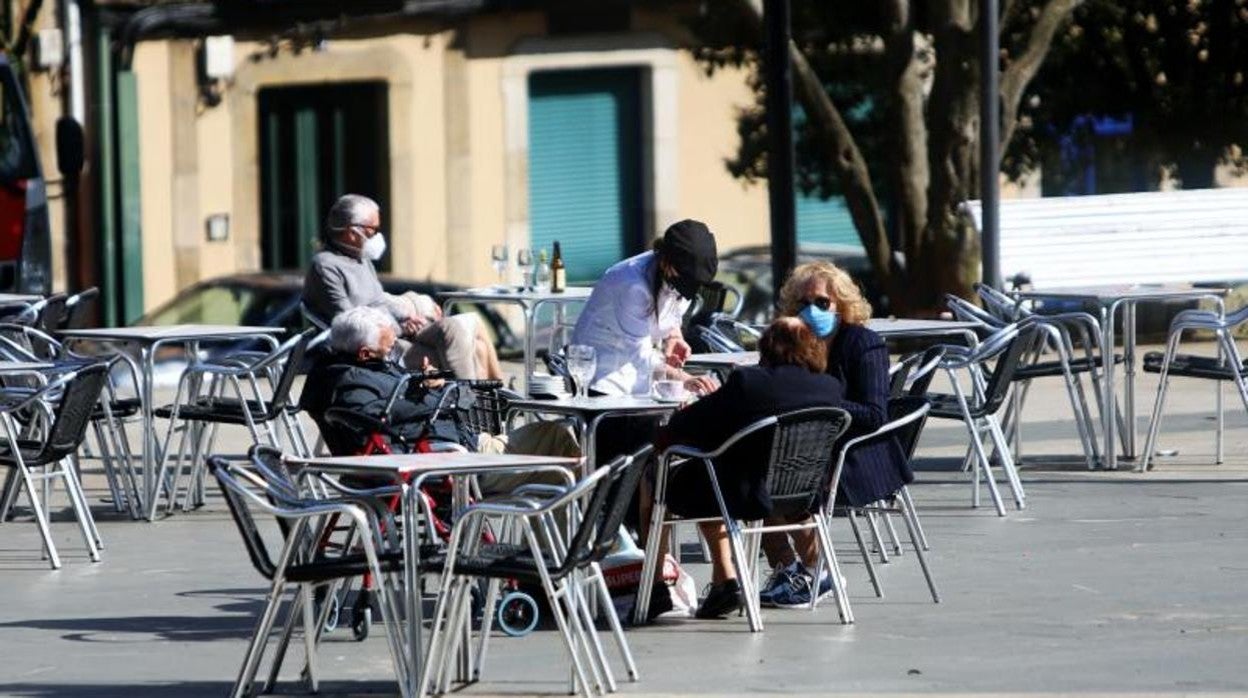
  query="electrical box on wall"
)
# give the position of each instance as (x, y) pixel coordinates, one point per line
(49, 49)
(218, 57)
(217, 227)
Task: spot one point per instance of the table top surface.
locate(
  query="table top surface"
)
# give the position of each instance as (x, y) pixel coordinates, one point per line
(515, 293)
(25, 366)
(604, 403)
(155, 333)
(895, 327)
(406, 463)
(723, 358)
(18, 298)
(1124, 291)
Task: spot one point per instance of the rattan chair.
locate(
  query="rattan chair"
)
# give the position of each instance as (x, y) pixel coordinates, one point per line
(802, 444)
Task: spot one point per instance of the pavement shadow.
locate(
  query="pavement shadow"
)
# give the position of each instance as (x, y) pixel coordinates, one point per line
(129, 629)
(182, 689)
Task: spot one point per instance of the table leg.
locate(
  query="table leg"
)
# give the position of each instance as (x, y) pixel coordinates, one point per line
(1109, 406)
(151, 487)
(1128, 386)
(530, 316)
(411, 588)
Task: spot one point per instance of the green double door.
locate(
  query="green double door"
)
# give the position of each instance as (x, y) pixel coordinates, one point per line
(317, 143)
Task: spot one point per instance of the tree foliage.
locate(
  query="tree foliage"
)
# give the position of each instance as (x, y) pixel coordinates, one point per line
(1177, 69)
(889, 92)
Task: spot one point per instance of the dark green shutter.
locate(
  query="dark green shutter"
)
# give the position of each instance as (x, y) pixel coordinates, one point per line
(825, 220)
(585, 166)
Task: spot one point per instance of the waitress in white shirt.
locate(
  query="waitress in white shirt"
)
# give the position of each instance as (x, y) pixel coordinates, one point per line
(633, 317)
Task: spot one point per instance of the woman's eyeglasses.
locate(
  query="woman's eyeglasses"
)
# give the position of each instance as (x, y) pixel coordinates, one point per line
(822, 302)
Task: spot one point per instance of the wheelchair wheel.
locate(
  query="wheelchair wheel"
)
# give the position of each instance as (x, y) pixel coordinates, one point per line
(331, 619)
(517, 614)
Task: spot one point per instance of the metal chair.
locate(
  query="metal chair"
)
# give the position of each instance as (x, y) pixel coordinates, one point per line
(801, 446)
(292, 565)
(907, 416)
(913, 374)
(1228, 366)
(79, 308)
(566, 569)
(1032, 367)
(53, 439)
(1076, 334)
(108, 422)
(989, 387)
(46, 314)
(198, 415)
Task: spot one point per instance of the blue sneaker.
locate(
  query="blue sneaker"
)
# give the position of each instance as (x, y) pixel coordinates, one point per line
(788, 586)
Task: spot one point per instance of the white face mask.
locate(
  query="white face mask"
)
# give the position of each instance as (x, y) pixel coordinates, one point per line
(374, 247)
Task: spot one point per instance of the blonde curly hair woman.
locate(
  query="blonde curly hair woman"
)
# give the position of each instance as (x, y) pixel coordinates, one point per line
(831, 304)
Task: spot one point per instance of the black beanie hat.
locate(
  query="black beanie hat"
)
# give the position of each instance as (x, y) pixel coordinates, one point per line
(689, 247)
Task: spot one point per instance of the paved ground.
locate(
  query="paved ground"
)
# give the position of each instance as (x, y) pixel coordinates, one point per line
(1108, 583)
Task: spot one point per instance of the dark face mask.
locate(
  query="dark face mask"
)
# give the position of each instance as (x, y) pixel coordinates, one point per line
(687, 288)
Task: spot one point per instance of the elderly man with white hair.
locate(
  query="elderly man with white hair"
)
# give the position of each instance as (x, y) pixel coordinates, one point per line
(342, 276)
(360, 374)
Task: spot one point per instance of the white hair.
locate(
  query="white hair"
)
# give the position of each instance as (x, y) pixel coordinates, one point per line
(349, 210)
(359, 328)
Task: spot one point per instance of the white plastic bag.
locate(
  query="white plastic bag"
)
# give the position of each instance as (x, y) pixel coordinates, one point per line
(622, 570)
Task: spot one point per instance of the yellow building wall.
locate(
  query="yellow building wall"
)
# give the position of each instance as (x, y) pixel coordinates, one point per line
(451, 183)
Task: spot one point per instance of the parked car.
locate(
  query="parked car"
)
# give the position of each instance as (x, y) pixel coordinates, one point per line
(272, 299)
(748, 270)
(25, 241)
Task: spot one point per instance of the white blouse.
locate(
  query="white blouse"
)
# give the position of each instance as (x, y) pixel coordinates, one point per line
(619, 322)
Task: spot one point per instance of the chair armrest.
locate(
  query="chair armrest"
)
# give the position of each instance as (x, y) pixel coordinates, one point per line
(353, 492)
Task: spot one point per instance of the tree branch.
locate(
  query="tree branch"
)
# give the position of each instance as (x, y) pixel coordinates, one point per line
(844, 155)
(1021, 71)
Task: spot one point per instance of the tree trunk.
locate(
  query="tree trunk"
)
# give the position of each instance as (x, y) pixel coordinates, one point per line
(911, 176)
(950, 262)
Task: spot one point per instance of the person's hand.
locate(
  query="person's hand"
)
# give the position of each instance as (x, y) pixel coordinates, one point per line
(676, 351)
(427, 367)
(437, 313)
(414, 324)
(701, 385)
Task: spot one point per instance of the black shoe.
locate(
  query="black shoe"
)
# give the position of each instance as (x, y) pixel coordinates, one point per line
(721, 599)
(660, 603)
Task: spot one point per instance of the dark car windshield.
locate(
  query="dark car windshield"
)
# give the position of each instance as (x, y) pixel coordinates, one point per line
(17, 156)
(213, 305)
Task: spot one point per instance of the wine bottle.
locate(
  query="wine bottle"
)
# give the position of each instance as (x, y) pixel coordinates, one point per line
(558, 275)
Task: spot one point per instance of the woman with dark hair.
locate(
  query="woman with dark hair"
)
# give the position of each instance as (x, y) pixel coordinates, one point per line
(790, 376)
(632, 319)
(829, 302)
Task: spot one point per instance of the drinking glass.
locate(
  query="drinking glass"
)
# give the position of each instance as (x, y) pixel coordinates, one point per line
(524, 260)
(582, 365)
(498, 255)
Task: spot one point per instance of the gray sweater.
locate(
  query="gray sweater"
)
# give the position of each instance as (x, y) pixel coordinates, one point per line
(338, 280)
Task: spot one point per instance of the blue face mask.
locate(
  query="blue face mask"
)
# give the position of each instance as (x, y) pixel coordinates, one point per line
(821, 322)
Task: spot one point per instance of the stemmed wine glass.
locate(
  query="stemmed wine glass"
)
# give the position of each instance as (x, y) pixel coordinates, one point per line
(582, 365)
(524, 260)
(498, 255)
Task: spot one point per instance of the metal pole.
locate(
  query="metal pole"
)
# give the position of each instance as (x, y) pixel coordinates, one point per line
(989, 135)
(778, 76)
